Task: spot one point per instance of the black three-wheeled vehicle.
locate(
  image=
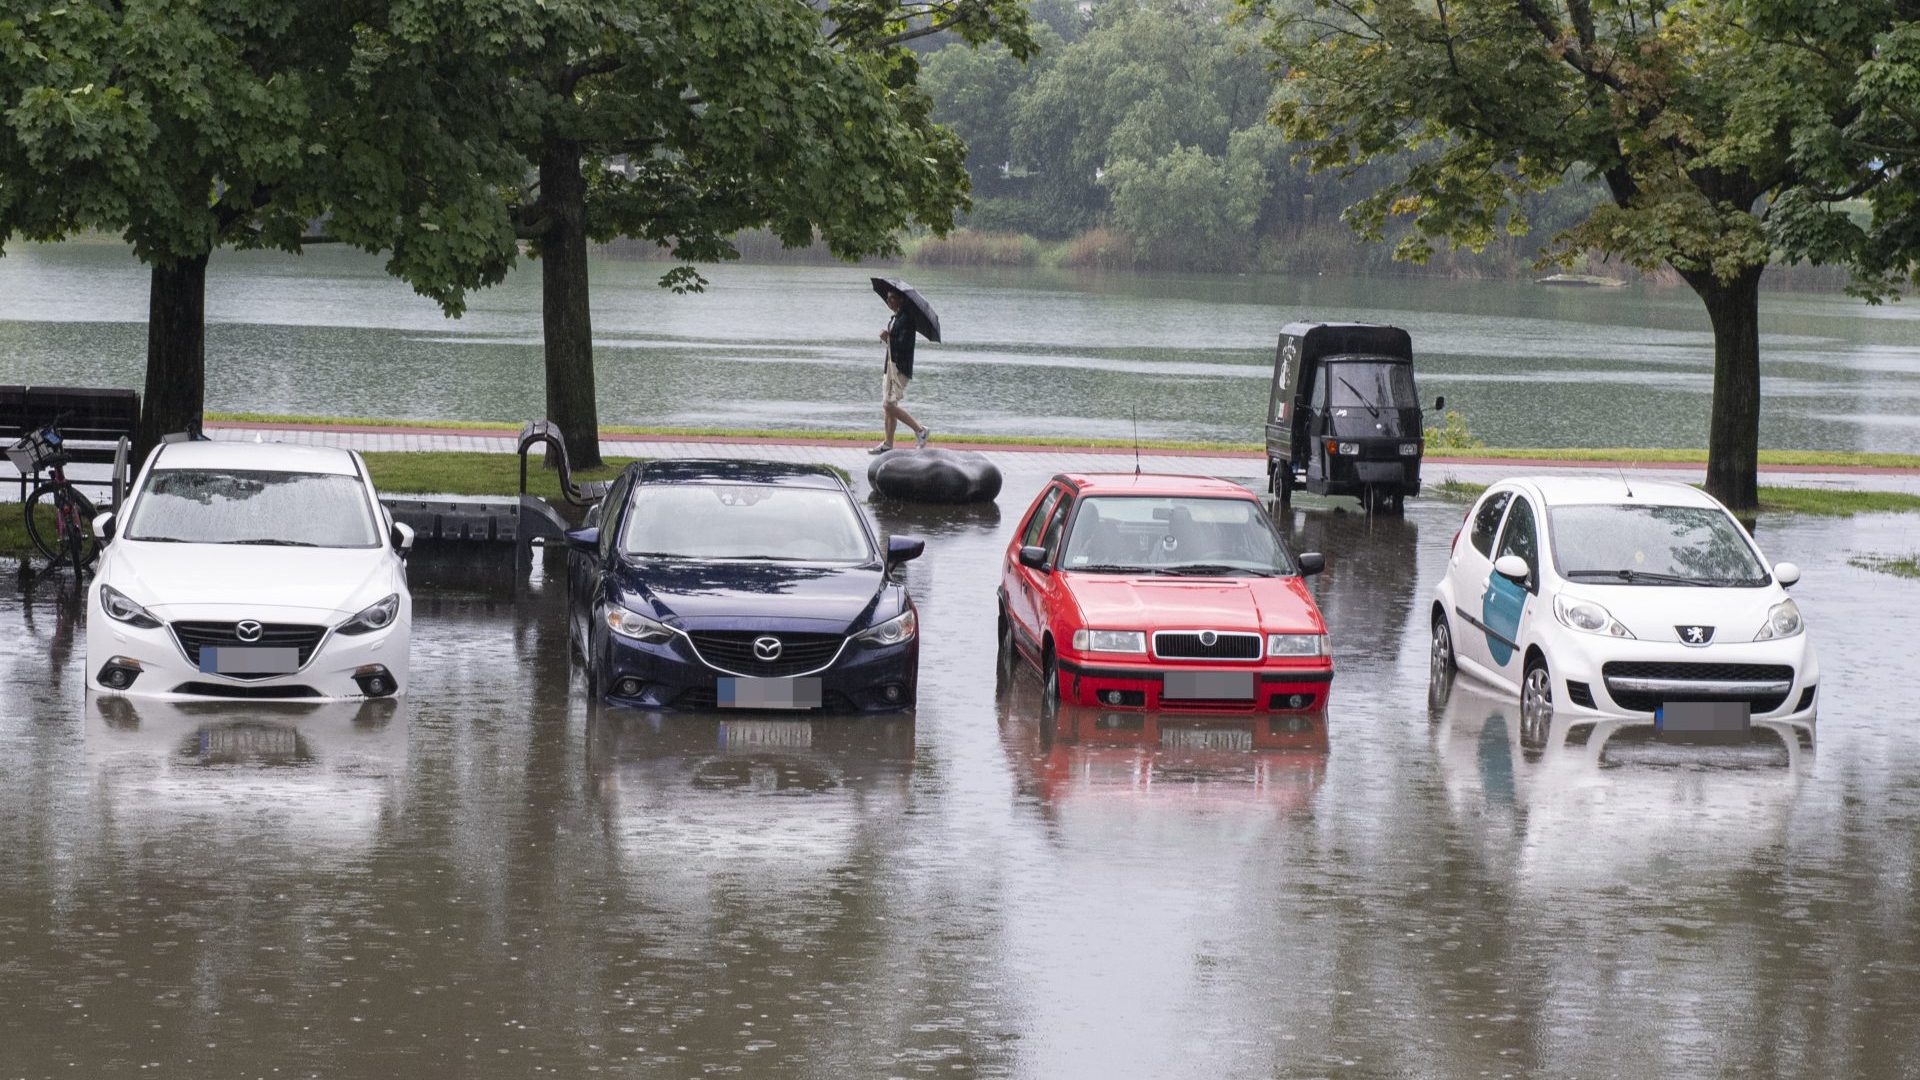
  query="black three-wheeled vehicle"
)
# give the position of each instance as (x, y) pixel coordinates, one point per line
(1343, 418)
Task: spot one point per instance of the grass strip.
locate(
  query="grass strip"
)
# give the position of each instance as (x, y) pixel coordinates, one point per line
(1906, 566)
(463, 472)
(1814, 502)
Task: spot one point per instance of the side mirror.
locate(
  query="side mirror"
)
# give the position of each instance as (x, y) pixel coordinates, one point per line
(585, 540)
(1512, 567)
(1786, 574)
(402, 536)
(1033, 557)
(103, 527)
(903, 549)
(1311, 563)
(1440, 403)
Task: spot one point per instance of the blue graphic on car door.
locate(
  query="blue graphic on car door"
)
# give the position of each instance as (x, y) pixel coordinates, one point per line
(1500, 608)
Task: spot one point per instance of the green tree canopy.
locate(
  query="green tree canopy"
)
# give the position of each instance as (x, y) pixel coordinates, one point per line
(1721, 138)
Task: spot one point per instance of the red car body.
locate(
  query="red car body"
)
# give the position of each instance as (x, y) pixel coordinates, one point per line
(1187, 619)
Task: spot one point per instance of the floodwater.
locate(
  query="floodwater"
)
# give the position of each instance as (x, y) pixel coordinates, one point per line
(1027, 352)
(494, 880)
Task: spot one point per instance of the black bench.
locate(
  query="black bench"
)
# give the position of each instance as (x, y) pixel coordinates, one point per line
(97, 424)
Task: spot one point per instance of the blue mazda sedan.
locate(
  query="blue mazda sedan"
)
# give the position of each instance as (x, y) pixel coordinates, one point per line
(740, 585)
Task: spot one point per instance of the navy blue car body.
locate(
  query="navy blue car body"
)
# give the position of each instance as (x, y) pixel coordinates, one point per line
(740, 629)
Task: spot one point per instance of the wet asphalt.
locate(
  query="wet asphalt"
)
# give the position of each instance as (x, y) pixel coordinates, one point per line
(494, 879)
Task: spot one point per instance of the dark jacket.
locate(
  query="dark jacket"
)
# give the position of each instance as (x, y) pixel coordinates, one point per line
(900, 339)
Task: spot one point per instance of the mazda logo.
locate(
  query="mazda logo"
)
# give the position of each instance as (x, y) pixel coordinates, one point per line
(248, 630)
(767, 648)
(1209, 638)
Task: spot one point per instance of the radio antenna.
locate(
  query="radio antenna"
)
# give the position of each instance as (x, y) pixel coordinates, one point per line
(1136, 438)
(1624, 484)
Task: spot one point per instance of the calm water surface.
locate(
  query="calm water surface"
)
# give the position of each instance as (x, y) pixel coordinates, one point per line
(497, 881)
(1028, 352)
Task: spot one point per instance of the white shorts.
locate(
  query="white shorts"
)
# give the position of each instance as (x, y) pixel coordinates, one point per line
(893, 385)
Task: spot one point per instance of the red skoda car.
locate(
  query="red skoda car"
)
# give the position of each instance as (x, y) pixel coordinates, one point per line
(1171, 592)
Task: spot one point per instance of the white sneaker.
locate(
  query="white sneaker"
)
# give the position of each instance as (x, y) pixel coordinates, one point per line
(920, 438)
(881, 449)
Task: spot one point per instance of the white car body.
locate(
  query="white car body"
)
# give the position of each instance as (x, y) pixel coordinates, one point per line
(301, 597)
(1694, 632)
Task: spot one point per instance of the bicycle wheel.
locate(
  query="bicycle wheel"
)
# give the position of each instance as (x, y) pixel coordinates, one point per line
(60, 523)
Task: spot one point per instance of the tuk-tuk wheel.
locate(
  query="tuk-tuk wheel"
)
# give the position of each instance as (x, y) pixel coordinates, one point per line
(1280, 481)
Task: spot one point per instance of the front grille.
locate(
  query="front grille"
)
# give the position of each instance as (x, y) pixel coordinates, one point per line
(1580, 694)
(1644, 701)
(222, 690)
(194, 636)
(1186, 645)
(733, 650)
(1237, 705)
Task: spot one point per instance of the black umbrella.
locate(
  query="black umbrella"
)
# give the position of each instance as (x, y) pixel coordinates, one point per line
(929, 323)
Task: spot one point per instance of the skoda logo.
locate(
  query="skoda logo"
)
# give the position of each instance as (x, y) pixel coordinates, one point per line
(247, 630)
(767, 648)
(1209, 638)
(1695, 635)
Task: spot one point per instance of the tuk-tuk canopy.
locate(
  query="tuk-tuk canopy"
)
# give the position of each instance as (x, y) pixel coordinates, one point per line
(1304, 345)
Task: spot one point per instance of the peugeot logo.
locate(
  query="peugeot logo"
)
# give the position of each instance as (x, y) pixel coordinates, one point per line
(248, 630)
(1209, 638)
(767, 648)
(1695, 635)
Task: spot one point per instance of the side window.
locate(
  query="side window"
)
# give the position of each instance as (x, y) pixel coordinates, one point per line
(1031, 534)
(1486, 520)
(1521, 539)
(1055, 528)
(611, 505)
(1319, 403)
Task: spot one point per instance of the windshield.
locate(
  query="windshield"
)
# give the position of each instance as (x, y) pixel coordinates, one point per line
(1370, 384)
(238, 506)
(745, 521)
(1154, 534)
(1658, 545)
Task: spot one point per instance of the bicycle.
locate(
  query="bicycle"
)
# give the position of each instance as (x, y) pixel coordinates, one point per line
(65, 529)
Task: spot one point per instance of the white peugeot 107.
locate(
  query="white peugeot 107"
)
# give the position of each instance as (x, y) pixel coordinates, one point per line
(1638, 602)
(241, 570)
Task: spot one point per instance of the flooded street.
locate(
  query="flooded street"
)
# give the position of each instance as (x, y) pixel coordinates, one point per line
(494, 880)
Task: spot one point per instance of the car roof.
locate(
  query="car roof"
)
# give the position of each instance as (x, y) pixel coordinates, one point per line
(259, 457)
(738, 471)
(1614, 490)
(1154, 484)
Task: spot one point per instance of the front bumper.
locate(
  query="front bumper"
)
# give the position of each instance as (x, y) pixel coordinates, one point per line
(1108, 682)
(863, 678)
(1592, 680)
(341, 666)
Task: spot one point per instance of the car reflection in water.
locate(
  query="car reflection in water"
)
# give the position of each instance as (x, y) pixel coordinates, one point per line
(1606, 810)
(681, 790)
(234, 779)
(1073, 752)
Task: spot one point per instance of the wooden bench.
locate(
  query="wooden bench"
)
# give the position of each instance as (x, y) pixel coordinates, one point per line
(97, 427)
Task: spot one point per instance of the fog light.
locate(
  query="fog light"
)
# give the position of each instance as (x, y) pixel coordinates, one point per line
(119, 672)
(1297, 701)
(374, 680)
(892, 692)
(1113, 697)
(628, 686)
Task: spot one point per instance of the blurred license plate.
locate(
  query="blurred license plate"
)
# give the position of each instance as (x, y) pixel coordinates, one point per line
(1208, 686)
(1235, 739)
(739, 693)
(228, 660)
(1704, 719)
(779, 733)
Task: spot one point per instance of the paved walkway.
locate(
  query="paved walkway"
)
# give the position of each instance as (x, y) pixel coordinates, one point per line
(1013, 457)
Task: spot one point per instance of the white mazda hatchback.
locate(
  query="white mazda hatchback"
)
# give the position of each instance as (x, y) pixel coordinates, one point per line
(1643, 603)
(242, 570)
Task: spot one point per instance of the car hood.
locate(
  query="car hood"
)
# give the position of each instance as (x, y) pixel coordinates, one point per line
(1275, 605)
(167, 577)
(706, 595)
(1658, 612)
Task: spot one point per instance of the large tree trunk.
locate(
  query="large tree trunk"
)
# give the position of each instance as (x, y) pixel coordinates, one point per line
(564, 310)
(1733, 439)
(176, 393)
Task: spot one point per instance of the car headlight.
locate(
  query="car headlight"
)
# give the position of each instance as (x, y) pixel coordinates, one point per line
(1296, 644)
(1349, 448)
(632, 624)
(1587, 616)
(1120, 641)
(900, 628)
(1409, 449)
(120, 609)
(377, 617)
(1783, 621)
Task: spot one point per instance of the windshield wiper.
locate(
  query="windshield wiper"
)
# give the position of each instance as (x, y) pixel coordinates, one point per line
(163, 540)
(1362, 398)
(1115, 568)
(1633, 576)
(262, 542)
(1214, 570)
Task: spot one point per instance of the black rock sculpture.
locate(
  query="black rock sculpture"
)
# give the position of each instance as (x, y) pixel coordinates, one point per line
(936, 476)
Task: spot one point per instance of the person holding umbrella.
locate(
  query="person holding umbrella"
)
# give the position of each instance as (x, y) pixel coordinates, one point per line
(911, 314)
